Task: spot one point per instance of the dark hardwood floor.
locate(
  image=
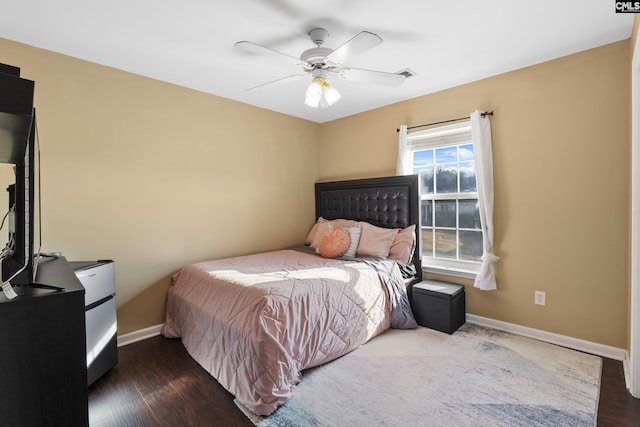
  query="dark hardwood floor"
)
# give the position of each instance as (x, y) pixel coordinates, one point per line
(617, 407)
(157, 383)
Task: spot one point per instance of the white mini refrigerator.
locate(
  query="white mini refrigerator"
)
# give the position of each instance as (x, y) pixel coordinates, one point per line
(98, 279)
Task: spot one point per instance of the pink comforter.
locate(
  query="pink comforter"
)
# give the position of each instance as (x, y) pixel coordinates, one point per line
(255, 322)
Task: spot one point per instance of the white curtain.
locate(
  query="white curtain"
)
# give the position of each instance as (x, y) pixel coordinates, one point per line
(404, 157)
(481, 136)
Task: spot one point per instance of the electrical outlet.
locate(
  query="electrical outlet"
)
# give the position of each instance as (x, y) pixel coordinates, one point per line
(540, 298)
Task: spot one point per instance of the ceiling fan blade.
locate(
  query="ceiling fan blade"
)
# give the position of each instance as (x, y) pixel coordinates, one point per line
(357, 45)
(277, 81)
(261, 50)
(370, 76)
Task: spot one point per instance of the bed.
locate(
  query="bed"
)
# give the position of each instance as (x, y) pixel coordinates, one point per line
(255, 322)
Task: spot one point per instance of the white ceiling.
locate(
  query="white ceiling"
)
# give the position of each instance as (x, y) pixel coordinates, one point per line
(191, 42)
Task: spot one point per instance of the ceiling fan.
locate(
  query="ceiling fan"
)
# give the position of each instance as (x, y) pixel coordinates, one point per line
(322, 62)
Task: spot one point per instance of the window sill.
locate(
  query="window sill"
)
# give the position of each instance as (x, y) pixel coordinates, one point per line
(449, 271)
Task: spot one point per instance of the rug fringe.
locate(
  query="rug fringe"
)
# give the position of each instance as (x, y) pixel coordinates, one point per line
(254, 418)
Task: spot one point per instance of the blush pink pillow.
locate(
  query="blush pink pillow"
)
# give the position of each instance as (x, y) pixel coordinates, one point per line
(375, 241)
(403, 245)
(314, 231)
(322, 228)
(334, 243)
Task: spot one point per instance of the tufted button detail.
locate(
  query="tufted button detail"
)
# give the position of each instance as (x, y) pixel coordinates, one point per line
(388, 208)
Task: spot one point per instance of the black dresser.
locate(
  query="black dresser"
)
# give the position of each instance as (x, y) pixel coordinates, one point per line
(43, 371)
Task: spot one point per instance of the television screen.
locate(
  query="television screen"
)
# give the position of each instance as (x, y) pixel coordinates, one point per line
(17, 256)
(17, 151)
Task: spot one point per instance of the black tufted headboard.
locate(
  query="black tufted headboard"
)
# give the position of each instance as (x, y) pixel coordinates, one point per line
(391, 202)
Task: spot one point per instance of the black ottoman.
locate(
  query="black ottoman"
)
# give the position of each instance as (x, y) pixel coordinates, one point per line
(438, 305)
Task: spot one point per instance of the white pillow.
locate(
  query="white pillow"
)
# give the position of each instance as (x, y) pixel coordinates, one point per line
(354, 232)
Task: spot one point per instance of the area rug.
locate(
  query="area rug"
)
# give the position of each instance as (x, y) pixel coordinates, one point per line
(476, 377)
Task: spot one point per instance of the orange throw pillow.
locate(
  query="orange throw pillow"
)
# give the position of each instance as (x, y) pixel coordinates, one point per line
(334, 243)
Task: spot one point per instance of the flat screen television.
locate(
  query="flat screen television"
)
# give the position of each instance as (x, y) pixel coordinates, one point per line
(17, 267)
(17, 147)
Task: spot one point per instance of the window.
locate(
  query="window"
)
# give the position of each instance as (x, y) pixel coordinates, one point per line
(450, 219)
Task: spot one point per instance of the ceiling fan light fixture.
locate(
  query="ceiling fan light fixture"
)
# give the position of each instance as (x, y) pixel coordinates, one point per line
(321, 94)
(314, 93)
(321, 62)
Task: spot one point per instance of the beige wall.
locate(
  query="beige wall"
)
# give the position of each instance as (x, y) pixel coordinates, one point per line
(155, 176)
(561, 145)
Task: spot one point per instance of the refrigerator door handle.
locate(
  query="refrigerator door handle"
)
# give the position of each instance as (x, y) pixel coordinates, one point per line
(99, 302)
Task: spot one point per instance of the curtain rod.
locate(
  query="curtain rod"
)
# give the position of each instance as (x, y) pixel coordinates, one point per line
(483, 114)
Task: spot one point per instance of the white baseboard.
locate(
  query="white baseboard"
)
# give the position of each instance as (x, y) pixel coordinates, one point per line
(562, 340)
(627, 373)
(139, 335)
